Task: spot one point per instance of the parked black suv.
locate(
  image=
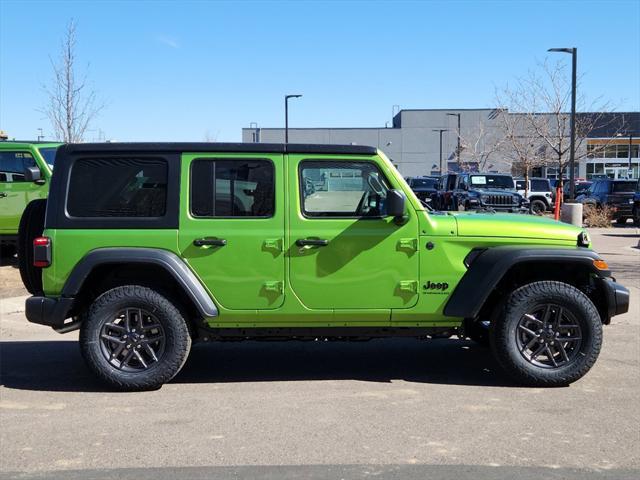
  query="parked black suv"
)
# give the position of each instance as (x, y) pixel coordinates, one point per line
(616, 194)
(491, 191)
(423, 187)
(443, 199)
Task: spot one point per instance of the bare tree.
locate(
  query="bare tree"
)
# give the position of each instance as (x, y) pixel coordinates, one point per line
(521, 145)
(479, 145)
(210, 137)
(71, 106)
(539, 133)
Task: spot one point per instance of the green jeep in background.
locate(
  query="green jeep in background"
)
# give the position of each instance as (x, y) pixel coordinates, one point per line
(17, 191)
(147, 248)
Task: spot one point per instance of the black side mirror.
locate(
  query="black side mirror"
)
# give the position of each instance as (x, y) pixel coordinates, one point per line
(33, 174)
(395, 204)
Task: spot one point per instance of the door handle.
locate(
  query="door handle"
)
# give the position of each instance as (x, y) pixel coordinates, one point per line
(2, 194)
(214, 242)
(312, 242)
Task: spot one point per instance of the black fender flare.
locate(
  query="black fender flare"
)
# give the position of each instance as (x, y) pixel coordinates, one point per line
(487, 267)
(165, 259)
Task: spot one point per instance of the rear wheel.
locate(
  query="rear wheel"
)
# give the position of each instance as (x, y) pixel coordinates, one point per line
(636, 215)
(133, 338)
(621, 221)
(548, 335)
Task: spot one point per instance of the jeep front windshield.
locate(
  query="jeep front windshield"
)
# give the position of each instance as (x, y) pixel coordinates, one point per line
(424, 182)
(492, 181)
(49, 155)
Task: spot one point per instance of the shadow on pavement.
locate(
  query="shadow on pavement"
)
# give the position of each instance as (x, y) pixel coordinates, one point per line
(317, 472)
(58, 366)
(9, 261)
(622, 235)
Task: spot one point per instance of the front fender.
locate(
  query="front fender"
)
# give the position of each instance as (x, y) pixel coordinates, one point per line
(489, 267)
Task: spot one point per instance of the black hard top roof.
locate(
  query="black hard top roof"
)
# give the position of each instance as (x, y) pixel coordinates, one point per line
(212, 147)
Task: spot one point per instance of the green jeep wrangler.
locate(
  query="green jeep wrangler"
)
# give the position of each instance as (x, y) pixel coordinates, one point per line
(25, 169)
(147, 248)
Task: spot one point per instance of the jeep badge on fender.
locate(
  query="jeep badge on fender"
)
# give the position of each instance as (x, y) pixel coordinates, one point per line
(436, 286)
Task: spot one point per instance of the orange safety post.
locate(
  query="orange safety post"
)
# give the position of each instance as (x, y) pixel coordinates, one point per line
(556, 212)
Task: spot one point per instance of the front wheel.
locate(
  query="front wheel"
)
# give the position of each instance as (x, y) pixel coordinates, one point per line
(133, 338)
(538, 207)
(548, 334)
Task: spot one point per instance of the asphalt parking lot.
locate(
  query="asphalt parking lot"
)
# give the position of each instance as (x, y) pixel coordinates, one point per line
(395, 408)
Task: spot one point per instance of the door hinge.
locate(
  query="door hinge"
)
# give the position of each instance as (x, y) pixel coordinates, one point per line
(409, 286)
(408, 244)
(273, 244)
(273, 286)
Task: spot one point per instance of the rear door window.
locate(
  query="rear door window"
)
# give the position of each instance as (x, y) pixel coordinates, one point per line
(232, 188)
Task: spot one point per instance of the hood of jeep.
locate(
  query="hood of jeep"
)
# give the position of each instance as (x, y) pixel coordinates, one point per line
(510, 225)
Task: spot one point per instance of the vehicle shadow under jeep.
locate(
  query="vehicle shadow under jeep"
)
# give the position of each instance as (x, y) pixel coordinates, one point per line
(58, 366)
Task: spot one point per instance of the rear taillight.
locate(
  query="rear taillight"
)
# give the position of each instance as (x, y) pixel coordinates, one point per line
(41, 252)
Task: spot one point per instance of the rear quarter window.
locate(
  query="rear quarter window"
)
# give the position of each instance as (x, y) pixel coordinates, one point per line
(118, 187)
(540, 186)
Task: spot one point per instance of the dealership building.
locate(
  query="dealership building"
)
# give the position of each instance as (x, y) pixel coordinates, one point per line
(419, 141)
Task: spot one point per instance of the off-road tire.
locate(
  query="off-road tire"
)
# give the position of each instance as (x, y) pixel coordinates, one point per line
(537, 207)
(31, 226)
(525, 299)
(636, 215)
(177, 343)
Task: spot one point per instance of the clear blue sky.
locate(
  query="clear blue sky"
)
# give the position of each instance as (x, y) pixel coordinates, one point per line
(175, 70)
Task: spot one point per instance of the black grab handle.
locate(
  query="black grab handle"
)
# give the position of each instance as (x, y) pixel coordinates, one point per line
(303, 242)
(216, 242)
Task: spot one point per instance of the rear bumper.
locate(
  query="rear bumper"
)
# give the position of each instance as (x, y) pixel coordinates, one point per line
(49, 311)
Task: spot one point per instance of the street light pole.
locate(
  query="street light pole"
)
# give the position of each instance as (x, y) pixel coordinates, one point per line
(286, 116)
(458, 147)
(572, 148)
(440, 130)
(629, 168)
